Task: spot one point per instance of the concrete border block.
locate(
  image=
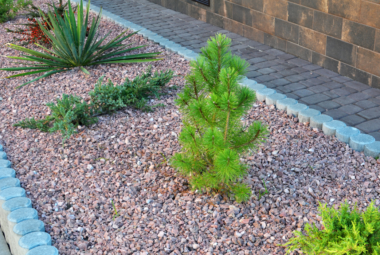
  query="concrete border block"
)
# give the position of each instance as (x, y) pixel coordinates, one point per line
(329, 128)
(283, 104)
(293, 110)
(3, 155)
(5, 163)
(256, 86)
(318, 121)
(7, 173)
(305, 115)
(1, 147)
(372, 150)
(272, 99)
(344, 133)
(358, 142)
(262, 94)
(43, 250)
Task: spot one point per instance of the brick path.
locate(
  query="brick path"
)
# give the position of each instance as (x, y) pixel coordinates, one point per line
(350, 101)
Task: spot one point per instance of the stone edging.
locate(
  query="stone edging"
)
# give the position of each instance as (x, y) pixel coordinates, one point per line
(329, 126)
(24, 233)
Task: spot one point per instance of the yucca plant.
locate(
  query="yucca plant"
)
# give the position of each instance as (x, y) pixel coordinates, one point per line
(71, 48)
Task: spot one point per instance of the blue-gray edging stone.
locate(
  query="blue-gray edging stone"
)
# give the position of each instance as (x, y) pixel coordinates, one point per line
(329, 128)
(29, 226)
(272, 99)
(22, 214)
(1, 147)
(7, 172)
(17, 203)
(12, 193)
(344, 133)
(43, 250)
(317, 121)
(34, 239)
(3, 155)
(5, 163)
(8, 183)
(359, 141)
(283, 104)
(305, 115)
(263, 93)
(293, 110)
(372, 150)
(256, 86)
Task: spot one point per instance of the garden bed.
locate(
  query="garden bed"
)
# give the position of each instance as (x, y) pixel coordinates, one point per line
(123, 158)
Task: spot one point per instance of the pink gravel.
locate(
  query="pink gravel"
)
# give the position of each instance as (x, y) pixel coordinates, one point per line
(122, 158)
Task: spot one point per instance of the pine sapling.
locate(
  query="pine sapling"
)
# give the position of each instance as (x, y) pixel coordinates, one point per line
(213, 137)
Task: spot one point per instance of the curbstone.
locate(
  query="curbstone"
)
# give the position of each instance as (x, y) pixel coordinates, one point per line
(283, 104)
(29, 226)
(344, 133)
(263, 93)
(35, 239)
(317, 121)
(7, 172)
(372, 150)
(5, 163)
(272, 99)
(43, 250)
(3, 155)
(329, 128)
(1, 147)
(8, 183)
(293, 110)
(11, 193)
(305, 115)
(256, 86)
(16, 203)
(22, 214)
(359, 141)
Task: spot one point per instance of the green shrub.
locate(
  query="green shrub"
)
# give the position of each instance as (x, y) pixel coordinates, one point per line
(71, 111)
(108, 98)
(213, 137)
(10, 8)
(344, 232)
(71, 48)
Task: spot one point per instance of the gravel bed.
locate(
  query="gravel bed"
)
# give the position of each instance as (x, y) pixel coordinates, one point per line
(123, 159)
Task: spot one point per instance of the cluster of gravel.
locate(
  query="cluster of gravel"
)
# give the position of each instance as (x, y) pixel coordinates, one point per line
(124, 157)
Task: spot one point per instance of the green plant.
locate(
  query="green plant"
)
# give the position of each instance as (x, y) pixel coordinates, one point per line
(115, 213)
(265, 191)
(10, 8)
(344, 232)
(213, 137)
(108, 98)
(69, 112)
(70, 49)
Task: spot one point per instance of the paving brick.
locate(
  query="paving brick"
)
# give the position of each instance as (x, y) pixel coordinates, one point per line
(318, 108)
(372, 92)
(280, 82)
(309, 75)
(303, 93)
(333, 85)
(318, 89)
(330, 94)
(315, 99)
(312, 82)
(295, 78)
(341, 79)
(253, 74)
(370, 113)
(365, 104)
(350, 109)
(336, 114)
(294, 86)
(369, 126)
(353, 120)
(344, 91)
(265, 78)
(357, 85)
(343, 100)
(329, 105)
(266, 70)
(359, 96)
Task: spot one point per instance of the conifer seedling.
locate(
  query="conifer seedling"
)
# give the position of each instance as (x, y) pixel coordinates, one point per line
(213, 138)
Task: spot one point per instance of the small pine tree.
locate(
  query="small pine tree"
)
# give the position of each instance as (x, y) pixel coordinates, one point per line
(213, 137)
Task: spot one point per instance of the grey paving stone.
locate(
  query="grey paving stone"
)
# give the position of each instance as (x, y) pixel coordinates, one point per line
(312, 82)
(295, 78)
(299, 62)
(369, 126)
(350, 109)
(303, 92)
(294, 86)
(266, 70)
(300, 70)
(333, 85)
(329, 105)
(372, 92)
(315, 99)
(365, 104)
(280, 82)
(344, 91)
(336, 114)
(370, 113)
(343, 100)
(312, 67)
(330, 94)
(318, 89)
(359, 96)
(264, 78)
(326, 73)
(357, 85)
(353, 120)
(309, 75)
(341, 79)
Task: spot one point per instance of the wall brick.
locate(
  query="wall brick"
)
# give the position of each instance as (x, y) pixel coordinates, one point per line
(276, 8)
(355, 74)
(275, 42)
(340, 50)
(300, 15)
(214, 19)
(286, 30)
(316, 4)
(233, 26)
(349, 9)
(328, 24)
(299, 51)
(219, 7)
(358, 34)
(312, 40)
(253, 34)
(251, 4)
(238, 13)
(368, 61)
(197, 13)
(325, 62)
(263, 22)
(375, 82)
(370, 14)
(377, 41)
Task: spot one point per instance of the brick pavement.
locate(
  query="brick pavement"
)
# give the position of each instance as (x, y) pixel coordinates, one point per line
(340, 97)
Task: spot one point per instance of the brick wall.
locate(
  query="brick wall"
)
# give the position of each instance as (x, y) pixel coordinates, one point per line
(340, 35)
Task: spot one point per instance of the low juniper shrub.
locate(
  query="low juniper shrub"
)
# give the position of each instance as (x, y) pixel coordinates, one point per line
(71, 111)
(345, 231)
(213, 138)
